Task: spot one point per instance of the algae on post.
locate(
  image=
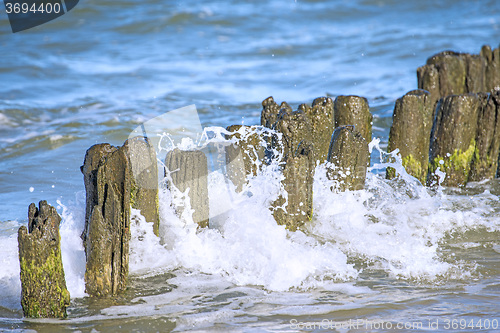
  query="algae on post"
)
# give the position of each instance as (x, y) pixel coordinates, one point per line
(414, 167)
(43, 286)
(456, 165)
(52, 299)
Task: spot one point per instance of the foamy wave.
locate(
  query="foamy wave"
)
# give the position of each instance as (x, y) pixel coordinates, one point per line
(6, 122)
(396, 226)
(73, 255)
(247, 248)
(10, 283)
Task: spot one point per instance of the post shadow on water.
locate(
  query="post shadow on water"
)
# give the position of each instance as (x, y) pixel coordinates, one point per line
(26, 14)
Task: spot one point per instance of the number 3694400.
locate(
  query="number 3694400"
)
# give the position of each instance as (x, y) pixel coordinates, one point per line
(25, 8)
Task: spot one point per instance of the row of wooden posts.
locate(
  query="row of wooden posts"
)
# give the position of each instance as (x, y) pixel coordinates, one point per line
(452, 123)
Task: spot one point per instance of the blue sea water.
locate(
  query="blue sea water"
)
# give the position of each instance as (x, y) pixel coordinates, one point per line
(99, 71)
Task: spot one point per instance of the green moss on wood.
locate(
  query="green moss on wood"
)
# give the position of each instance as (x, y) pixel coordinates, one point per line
(483, 164)
(457, 165)
(415, 168)
(412, 166)
(133, 195)
(44, 291)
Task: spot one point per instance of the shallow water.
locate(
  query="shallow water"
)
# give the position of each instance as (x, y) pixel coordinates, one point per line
(396, 253)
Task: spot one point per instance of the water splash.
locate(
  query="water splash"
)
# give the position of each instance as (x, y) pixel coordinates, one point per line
(396, 226)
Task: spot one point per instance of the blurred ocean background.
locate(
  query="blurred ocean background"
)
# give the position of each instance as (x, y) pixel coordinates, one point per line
(395, 252)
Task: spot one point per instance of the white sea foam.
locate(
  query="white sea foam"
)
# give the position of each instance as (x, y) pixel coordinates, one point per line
(6, 122)
(394, 225)
(73, 255)
(56, 137)
(244, 243)
(10, 283)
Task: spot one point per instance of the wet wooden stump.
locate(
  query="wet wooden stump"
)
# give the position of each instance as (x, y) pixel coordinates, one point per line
(295, 128)
(244, 157)
(354, 110)
(451, 73)
(271, 110)
(93, 157)
(349, 157)
(298, 169)
(475, 79)
(492, 68)
(485, 161)
(467, 157)
(322, 124)
(296, 209)
(116, 179)
(144, 186)
(107, 174)
(43, 286)
(428, 80)
(188, 170)
(411, 132)
(453, 138)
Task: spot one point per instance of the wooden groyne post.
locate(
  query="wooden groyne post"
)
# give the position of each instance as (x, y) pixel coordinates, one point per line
(43, 285)
(188, 171)
(411, 132)
(246, 155)
(349, 157)
(116, 179)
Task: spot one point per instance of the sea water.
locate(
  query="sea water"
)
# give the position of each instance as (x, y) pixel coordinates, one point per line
(396, 256)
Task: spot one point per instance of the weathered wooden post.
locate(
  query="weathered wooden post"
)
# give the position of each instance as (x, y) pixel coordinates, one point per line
(244, 157)
(492, 68)
(349, 157)
(295, 127)
(451, 73)
(298, 169)
(116, 178)
(107, 174)
(354, 110)
(270, 111)
(444, 74)
(411, 132)
(475, 79)
(144, 186)
(322, 124)
(428, 80)
(298, 183)
(189, 170)
(89, 169)
(453, 138)
(43, 285)
(485, 161)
